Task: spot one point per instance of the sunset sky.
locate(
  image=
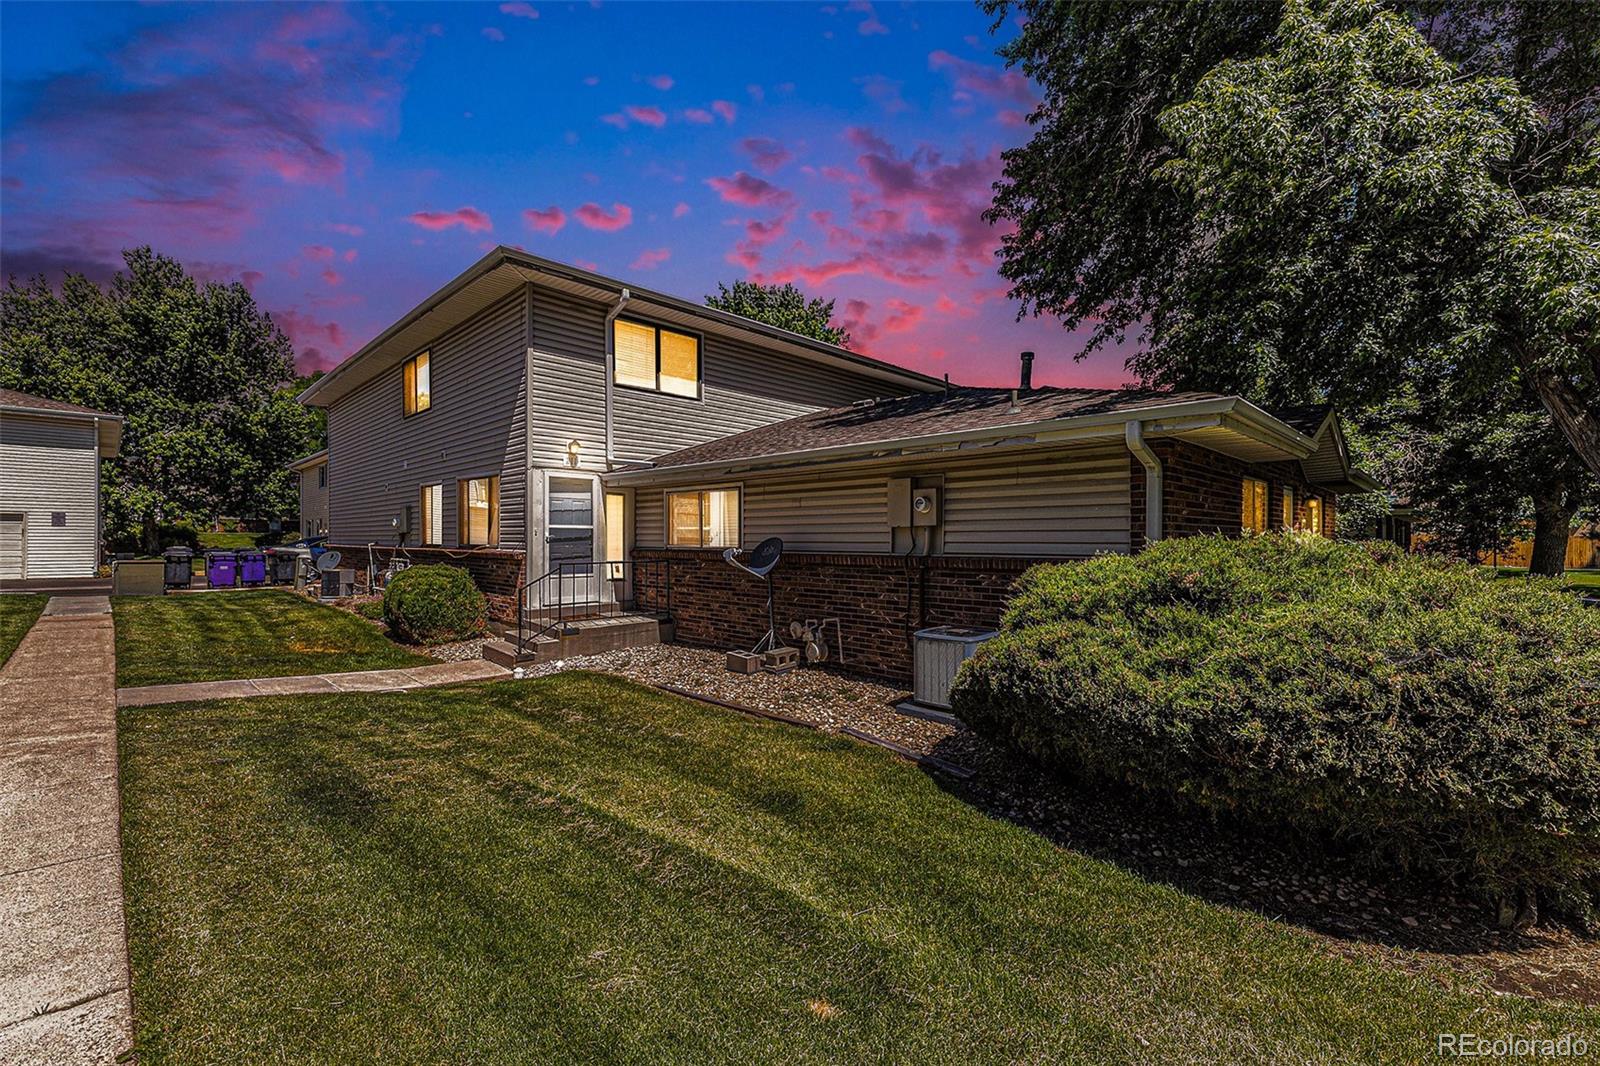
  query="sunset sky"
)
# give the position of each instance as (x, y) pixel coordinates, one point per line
(344, 162)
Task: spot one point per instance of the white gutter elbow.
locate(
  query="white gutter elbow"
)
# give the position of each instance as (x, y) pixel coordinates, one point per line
(611, 370)
(1153, 494)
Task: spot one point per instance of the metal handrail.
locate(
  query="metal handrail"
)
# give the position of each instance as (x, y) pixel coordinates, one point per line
(577, 591)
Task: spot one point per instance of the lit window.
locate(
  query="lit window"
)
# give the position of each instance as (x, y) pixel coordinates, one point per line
(478, 511)
(419, 395)
(432, 511)
(706, 518)
(1253, 512)
(657, 359)
(1314, 515)
(616, 533)
(1288, 507)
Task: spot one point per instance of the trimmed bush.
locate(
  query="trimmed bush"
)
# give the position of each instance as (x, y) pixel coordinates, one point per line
(1420, 711)
(434, 604)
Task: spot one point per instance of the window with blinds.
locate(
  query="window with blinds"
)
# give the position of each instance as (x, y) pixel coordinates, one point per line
(661, 360)
(431, 508)
(703, 518)
(419, 393)
(1314, 515)
(1253, 509)
(478, 511)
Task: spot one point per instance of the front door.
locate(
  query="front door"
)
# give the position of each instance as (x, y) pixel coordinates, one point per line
(569, 543)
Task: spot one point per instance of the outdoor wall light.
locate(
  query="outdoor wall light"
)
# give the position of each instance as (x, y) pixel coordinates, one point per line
(573, 447)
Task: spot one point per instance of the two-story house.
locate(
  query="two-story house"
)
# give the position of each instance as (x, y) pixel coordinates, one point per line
(558, 433)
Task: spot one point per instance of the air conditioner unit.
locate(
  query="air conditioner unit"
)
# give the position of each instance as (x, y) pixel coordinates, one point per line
(938, 654)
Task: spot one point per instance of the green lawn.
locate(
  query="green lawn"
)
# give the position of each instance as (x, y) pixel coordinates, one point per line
(578, 869)
(269, 633)
(18, 612)
(1578, 579)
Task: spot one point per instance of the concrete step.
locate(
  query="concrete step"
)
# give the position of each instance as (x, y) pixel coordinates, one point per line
(587, 636)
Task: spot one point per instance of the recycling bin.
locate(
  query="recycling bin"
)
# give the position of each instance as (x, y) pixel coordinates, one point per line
(252, 568)
(179, 567)
(222, 569)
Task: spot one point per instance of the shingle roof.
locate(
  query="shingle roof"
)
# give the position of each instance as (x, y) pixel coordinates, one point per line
(13, 398)
(1307, 419)
(921, 415)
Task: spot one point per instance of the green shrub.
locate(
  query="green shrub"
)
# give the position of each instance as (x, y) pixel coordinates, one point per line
(1418, 710)
(433, 604)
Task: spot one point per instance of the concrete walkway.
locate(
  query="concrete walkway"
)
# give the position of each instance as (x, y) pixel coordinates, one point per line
(63, 952)
(399, 680)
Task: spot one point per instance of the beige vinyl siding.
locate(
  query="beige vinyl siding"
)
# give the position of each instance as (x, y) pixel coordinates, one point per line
(313, 501)
(378, 458)
(743, 387)
(1065, 503)
(50, 466)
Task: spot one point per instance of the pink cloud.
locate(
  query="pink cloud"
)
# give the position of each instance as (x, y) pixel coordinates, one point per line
(699, 116)
(318, 345)
(520, 10)
(995, 83)
(550, 220)
(347, 229)
(870, 25)
(680, 209)
(650, 258)
(748, 190)
(350, 255)
(251, 279)
(766, 153)
(332, 277)
(596, 217)
(661, 81)
(469, 218)
(318, 252)
(617, 119)
(885, 92)
(494, 33)
(726, 108)
(649, 115)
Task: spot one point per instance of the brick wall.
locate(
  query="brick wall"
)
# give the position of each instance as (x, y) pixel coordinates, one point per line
(880, 601)
(1202, 492)
(497, 573)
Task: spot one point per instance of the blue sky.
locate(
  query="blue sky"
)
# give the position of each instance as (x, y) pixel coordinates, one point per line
(344, 161)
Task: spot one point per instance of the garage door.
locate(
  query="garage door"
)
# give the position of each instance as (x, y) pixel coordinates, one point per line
(13, 546)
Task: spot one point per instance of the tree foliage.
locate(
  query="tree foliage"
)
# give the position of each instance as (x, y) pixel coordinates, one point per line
(1315, 202)
(784, 306)
(203, 379)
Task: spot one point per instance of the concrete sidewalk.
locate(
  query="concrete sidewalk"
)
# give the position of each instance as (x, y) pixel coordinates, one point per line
(399, 680)
(63, 951)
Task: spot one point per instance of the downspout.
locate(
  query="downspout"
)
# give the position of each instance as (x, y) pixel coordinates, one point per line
(1134, 434)
(611, 369)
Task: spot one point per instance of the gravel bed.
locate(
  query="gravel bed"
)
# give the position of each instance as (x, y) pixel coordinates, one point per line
(459, 651)
(1356, 911)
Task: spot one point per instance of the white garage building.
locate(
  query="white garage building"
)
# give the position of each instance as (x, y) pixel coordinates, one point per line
(50, 456)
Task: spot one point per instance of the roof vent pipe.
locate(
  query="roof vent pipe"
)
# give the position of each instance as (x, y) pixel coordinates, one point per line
(1134, 435)
(611, 367)
(1027, 371)
(1015, 408)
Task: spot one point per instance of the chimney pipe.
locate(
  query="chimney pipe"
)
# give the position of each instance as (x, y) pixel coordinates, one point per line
(1027, 371)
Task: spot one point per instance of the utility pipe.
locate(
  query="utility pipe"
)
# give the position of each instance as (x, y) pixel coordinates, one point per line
(1134, 435)
(611, 368)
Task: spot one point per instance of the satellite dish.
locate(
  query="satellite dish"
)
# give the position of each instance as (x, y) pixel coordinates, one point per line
(762, 560)
(329, 560)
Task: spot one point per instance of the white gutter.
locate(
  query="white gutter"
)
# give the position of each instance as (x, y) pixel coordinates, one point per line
(1134, 435)
(611, 367)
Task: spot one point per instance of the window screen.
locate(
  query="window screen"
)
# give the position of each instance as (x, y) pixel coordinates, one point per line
(432, 511)
(1253, 508)
(705, 518)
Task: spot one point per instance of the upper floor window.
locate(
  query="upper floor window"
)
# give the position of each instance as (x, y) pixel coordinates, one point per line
(662, 360)
(322, 476)
(432, 512)
(1253, 508)
(419, 395)
(703, 518)
(478, 511)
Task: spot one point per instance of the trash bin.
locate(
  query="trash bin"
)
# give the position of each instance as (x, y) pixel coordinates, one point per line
(282, 563)
(222, 569)
(252, 568)
(180, 567)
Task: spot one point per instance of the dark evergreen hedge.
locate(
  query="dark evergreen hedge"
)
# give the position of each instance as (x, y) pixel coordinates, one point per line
(1423, 711)
(434, 604)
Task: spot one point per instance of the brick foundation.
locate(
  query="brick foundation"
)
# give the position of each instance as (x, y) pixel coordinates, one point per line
(497, 573)
(1203, 487)
(880, 601)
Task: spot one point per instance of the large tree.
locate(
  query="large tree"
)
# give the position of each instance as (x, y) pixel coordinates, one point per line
(202, 378)
(1314, 202)
(784, 306)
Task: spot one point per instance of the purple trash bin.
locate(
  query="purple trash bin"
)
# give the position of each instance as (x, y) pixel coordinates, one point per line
(253, 568)
(222, 570)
